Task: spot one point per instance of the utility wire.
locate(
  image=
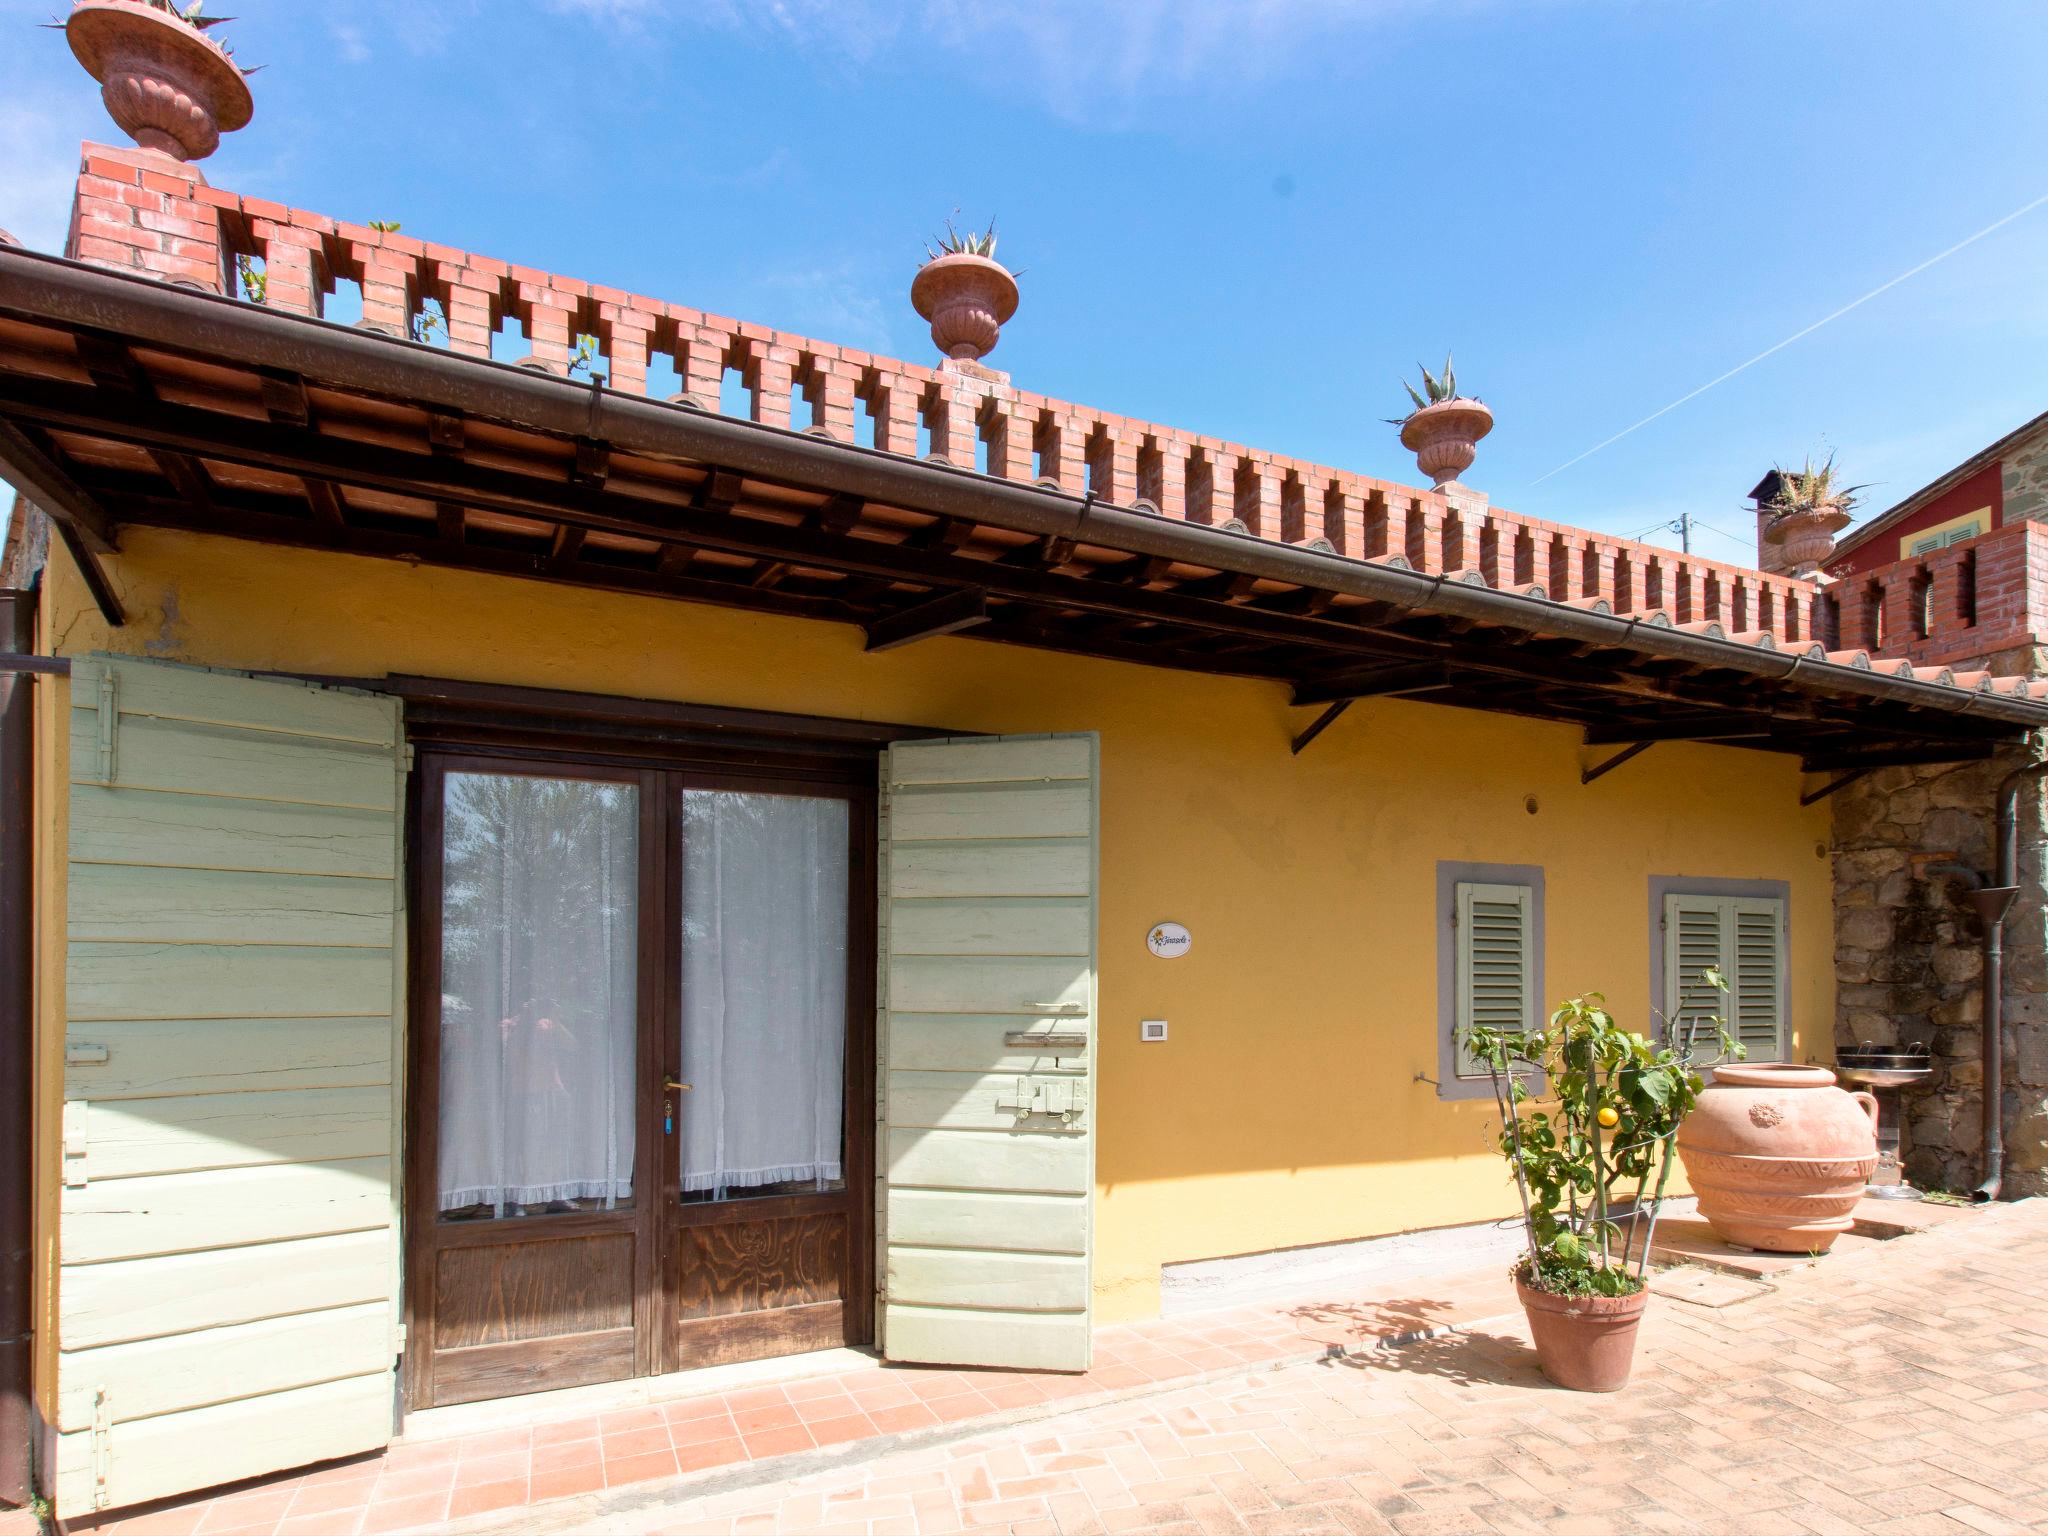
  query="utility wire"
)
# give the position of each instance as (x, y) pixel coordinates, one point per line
(1990, 228)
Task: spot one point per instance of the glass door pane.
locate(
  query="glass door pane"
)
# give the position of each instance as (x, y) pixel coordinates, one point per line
(539, 1029)
(764, 995)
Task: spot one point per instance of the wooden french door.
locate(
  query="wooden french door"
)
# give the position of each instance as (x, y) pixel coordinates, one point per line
(642, 1094)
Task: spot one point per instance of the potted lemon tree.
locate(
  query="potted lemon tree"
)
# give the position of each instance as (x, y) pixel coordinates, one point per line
(1591, 1161)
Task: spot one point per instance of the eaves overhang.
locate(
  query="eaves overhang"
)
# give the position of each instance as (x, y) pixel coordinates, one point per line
(126, 401)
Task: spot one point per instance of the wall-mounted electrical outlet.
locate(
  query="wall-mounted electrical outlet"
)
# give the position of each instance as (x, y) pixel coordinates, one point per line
(1152, 1029)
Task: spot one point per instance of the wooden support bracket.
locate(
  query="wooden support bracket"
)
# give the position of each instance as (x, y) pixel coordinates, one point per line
(941, 616)
(1842, 781)
(1588, 775)
(1321, 723)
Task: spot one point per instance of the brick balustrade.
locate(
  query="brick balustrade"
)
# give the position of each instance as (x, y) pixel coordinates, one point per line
(138, 211)
(1969, 602)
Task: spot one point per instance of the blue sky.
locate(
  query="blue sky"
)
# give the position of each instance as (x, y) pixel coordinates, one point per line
(1244, 217)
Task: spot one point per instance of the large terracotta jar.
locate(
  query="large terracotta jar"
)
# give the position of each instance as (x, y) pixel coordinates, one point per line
(967, 298)
(1445, 437)
(1779, 1155)
(168, 85)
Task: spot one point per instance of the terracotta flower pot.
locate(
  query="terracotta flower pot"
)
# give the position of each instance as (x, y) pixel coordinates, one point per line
(967, 299)
(1586, 1343)
(1445, 437)
(169, 87)
(1779, 1155)
(1807, 537)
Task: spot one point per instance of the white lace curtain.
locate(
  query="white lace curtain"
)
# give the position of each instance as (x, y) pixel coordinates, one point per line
(764, 989)
(540, 915)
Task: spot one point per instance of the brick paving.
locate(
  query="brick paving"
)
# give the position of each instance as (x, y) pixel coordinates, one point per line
(1899, 1388)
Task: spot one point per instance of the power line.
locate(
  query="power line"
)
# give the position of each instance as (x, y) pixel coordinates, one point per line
(1990, 228)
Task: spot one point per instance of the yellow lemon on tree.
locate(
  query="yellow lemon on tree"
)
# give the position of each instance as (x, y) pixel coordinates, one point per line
(1607, 1116)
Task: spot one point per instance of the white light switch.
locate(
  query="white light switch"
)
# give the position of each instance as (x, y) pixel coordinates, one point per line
(1152, 1029)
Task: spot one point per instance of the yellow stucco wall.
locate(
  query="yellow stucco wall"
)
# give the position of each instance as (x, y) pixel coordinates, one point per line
(1283, 1109)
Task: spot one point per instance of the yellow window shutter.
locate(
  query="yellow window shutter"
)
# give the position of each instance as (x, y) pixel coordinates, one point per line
(227, 1299)
(987, 1030)
(1495, 941)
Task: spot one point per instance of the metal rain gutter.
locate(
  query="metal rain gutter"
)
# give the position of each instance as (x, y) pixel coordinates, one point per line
(55, 290)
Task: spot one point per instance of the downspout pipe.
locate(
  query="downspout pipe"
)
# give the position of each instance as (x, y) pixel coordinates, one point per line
(17, 1036)
(1992, 904)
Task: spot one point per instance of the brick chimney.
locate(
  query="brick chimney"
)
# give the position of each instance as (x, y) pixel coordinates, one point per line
(1769, 556)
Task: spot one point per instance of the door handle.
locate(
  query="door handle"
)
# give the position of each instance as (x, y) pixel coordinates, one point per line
(669, 1088)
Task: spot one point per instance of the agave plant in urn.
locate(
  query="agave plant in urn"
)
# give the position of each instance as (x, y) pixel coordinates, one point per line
(1444, 429)
(169, 85)
(1807, 511)
(964, 292)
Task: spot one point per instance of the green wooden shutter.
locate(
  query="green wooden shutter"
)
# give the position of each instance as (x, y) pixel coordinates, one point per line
(987, 1004)
(226, 1300)
(1756, 990)
(1495, 964)
(1745, 938)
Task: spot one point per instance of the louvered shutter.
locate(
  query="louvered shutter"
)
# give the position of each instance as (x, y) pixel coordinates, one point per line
(226, 1297)
(1756, 989)
(1495, 964)
(987, 1026)
(1745, 938)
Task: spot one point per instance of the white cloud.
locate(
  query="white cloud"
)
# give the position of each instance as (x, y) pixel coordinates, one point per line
(1083, 59)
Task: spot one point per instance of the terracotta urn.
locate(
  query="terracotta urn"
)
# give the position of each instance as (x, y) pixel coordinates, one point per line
(1445, 437)
(170, 87)
(1807, 536)
(1779, 1155)
(1585, 1343)
(967, 298)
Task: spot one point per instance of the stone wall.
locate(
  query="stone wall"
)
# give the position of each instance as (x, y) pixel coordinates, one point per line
(1909, 960)
(2024, 473)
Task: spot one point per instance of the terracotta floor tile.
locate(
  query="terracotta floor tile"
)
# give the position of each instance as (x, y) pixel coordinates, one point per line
(766, 1416)
(701, 1431)
(854, 1426)
(481, 1498)
(239, 1511)
(695, 1408)
(638, 1442)
(564, 1432)
(906, 1416)
(559, 1458)
(420, 1480)
(562, 1482)
(476, 1472)
(965, 1405)
(427, 1453)
(497, 1442)
(755, 1397)
(331, 1523)
(324, 1498)
(780, 1441)
(637, 1469)
(626, 1420)
(710, 1453)
(399, 1514)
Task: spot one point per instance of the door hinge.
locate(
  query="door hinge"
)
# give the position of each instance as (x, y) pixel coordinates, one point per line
(74, 1143)
(109, 719)
(102, 1448)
